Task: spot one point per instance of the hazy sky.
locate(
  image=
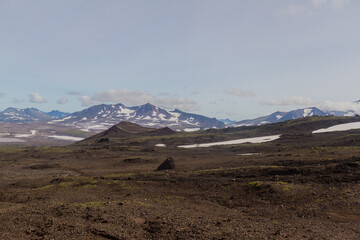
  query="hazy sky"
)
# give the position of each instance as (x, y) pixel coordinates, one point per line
(227, 58)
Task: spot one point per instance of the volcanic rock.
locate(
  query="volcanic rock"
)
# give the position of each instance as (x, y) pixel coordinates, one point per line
(168, 164)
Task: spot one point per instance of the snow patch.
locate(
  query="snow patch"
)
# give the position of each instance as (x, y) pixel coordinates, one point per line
(61, 120)
(237, 141)
(248, 154)
(175, 117)
(162, 116)
(339, 127)
(94, 127)
(191, 129)
(67, 138)
(349, 114)
(190, 123)
(307, 111)
(149, 124)
(33, 132)
(160, 145)
(124, 112)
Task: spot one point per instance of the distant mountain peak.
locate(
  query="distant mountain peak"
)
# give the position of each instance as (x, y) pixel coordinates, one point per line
(146, 115)
(294, 114)
(23, 115)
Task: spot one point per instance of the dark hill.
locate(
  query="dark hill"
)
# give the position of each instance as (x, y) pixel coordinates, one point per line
(130, 134)
(128, 129)
(161, 131)
(131, 128)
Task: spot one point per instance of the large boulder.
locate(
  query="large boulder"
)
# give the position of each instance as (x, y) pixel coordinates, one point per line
(168, 164)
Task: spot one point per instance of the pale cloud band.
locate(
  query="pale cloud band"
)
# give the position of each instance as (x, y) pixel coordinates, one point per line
(36, 98)
(132, 98)
(340, 106)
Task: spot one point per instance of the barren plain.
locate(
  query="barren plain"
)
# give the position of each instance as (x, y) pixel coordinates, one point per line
(299, 186)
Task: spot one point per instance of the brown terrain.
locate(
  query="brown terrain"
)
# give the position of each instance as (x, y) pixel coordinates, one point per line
(300, 186)
(42, 132)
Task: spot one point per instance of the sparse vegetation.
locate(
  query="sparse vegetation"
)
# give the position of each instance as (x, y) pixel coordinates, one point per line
(87, 189)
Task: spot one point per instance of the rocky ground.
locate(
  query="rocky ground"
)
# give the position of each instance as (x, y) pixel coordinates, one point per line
(293, 188)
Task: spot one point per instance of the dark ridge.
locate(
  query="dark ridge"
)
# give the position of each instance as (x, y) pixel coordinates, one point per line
(161, 131)
(123, 129)
(127, 129)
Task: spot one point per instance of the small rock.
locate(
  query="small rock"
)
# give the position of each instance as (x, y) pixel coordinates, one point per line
(102, 140)
(168, 164)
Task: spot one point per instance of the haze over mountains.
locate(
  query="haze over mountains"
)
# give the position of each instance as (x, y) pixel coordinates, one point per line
(100, 117)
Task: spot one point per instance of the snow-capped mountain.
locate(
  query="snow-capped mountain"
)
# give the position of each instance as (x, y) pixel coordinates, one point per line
(282, 116)
(23, 115)
(294, 114)
(341, 113)
(102, 116)
(28, 115)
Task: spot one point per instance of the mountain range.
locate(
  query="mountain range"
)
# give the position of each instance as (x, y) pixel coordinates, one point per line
(294, 114)
(28, 114)
(101, 117)
(146, 115)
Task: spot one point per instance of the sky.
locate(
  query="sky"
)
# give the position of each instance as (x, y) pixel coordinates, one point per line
(236, 59)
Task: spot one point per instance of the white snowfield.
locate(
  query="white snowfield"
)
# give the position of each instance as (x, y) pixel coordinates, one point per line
(61, 120)
(308, 112)
(340, 127)
(67, 138)
(160, 145)
(95, 127)
(191, 129)
(237, 141)
(33, 132)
